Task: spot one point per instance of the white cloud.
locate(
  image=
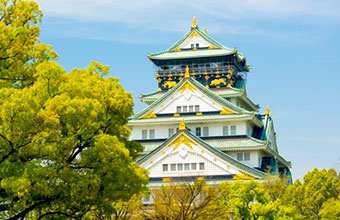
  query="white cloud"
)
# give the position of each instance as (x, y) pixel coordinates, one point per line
(161, 13)
(220, 16)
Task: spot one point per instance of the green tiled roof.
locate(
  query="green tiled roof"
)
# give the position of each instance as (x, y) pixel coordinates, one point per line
(193, 54)
(220, 50)
(227, 158)
(194, 118)
(206, 91)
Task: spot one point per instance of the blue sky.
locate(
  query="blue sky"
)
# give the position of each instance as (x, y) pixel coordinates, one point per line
(292, 46)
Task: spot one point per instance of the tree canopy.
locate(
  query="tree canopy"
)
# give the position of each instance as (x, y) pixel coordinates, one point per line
(64, 147)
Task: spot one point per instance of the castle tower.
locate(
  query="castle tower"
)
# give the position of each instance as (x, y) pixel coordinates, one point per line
(200, 122)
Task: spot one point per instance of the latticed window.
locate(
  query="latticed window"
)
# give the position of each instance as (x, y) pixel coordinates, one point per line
(246, 156)
(205, 131)
(193, 166)
(165, 167)
(144, 134)
(225, 130)
(152, 134)
(232, 129)
(240, 156)
(198, 131)
(173, 167)
(201, 166)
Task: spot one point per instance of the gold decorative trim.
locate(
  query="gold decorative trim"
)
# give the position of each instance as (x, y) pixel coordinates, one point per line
(202, 151)
(151, 162)
(166, 179)
(182, 139)
(194, 48)
(199, 113)
(163, 153)
(217, 82)
(228, 167)
(177, 115)
(215, 160)
(243, 176)
(186, 86)
(182, 125)
(177, 49)
(226, 111)
(205, 31)
(169, 84)
(212, 46)
(151, 114)
(194, 34)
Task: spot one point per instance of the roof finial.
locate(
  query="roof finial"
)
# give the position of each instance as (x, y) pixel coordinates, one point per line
(205, 31)
(267, 111)
(194, 22)
(182, 125)
(187, 74)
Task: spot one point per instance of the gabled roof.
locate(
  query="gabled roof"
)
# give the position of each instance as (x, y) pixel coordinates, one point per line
(197, 85)
(238, 165)
(215, 49)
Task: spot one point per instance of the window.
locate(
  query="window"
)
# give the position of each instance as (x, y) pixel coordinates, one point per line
(198, 131)
(191, 108)
(246, 156)
(233, 129)
(178, 109)
(185, 108)
(225, 130)
(165, 167)
(180, 167)
(205, 131)
(144, 134)
(186, 166)
(240, 156)
(197, 45)
(201, 166)
(197, 108)
(193, 166)
(173, 167)
(170, 132)
(152, 133)
(192, 45)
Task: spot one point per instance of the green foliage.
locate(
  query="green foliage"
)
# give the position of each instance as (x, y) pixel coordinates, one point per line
(309, 197)
(64, 148)
(187, 201)
(20, 50)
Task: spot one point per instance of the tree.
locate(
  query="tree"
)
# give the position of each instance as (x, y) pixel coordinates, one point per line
(186, 201)
(253, 200)
(318, 190)
(20, 50)
(64, 148)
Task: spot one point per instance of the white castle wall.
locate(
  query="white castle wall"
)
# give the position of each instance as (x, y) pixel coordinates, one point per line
(161, 131)
(209, 169)
(255, 158)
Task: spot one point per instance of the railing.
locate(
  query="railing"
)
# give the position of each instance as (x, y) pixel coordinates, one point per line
(223, 69)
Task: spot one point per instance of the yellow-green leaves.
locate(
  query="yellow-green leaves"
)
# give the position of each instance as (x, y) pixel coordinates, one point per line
(64, 147)
(20, 50)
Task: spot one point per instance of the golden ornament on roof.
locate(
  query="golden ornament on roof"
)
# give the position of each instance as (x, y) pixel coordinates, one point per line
(267, 111)
(187, 74)
(194, 22)
(182, 125)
